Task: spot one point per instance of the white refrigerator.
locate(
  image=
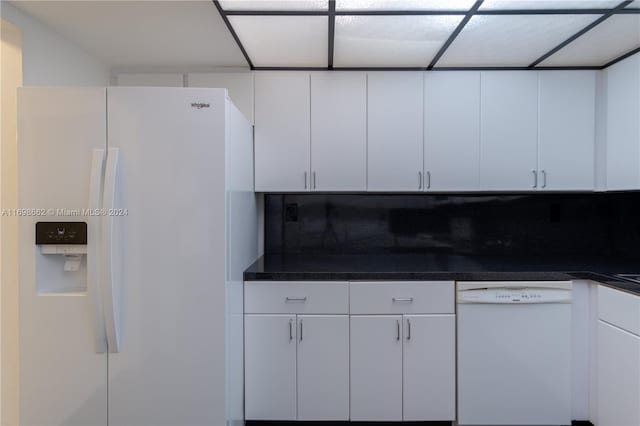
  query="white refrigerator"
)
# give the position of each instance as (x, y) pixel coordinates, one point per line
(142, 325)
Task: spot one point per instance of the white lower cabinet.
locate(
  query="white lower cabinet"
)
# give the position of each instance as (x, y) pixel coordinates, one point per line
(376, 368)
(270, 367)
(618, 373)
(297, 367)
(618, 377)
(384, 351)
(323, 367)
(429, 368)
(403, 367)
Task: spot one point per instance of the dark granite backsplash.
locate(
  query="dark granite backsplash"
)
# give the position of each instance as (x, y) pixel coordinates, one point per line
(606, 224)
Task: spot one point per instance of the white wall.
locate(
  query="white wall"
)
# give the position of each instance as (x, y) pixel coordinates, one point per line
(48, 59)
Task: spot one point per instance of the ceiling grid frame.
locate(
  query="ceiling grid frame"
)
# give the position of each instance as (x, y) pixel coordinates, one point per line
(474, 10)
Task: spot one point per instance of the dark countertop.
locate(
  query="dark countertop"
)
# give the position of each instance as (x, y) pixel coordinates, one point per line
(433, 267)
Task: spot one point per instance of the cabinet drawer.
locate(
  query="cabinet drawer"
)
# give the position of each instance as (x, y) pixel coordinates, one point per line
(619, 308)
(296, 297)
(387, 297)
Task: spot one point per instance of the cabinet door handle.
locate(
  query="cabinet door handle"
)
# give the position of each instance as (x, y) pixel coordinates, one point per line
(305, 180)
(314, 180)
(290, 330)
(398, 330)
(295, 299)
(535, 178)
(301, 330)
(419, 180)
(402, 299)
(408, 329)
(428, 180)
(544, 178)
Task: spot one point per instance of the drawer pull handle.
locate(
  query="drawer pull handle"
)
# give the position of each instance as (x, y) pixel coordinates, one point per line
(295, 299)
(402, 299)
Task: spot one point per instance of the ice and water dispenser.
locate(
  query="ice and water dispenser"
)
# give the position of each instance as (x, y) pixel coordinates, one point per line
(62, 260)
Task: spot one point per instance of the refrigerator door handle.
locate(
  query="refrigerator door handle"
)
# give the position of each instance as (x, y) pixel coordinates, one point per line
(93, 252)
(111, 308)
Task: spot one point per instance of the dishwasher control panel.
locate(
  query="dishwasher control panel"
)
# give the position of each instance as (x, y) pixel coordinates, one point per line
(514, 295)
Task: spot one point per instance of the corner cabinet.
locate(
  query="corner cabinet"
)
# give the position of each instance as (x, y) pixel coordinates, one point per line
(618, 343)
(623, 124)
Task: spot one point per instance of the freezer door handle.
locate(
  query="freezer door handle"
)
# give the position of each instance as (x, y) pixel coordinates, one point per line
(93, 252)
(111, 306)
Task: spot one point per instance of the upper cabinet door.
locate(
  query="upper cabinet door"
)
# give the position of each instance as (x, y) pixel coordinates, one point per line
(395, 117)
(282, 136)
(567, 130)
(623, 124)
(338, 131)
(509, 130)
(452, 131)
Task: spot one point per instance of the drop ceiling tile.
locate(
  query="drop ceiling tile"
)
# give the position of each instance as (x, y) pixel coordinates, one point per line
(274, 4)
(404, 5)
(614, 37)
(283, 41)
(390, 41)
(548, 4)
(516, 40)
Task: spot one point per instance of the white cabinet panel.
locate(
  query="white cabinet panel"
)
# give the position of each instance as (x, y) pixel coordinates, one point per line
(567, 130)
(452, 131)
(429, 368)
(323, 367)
(338, 131)
(282, 131)
(509, 124)
(618, 377)
(270, 367)
(395, 127)
(623, 124)
(376, 368)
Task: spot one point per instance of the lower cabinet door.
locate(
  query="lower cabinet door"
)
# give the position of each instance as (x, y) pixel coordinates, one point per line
(323, 367)
(270, 367)
(618, 377)
(429, 368)
(376, 368)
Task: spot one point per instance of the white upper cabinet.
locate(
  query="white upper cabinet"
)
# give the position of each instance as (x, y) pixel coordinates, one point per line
(509, 130)
(282, 131)
(451, 131)
(623, 124)
(395, 126)
(338, 131)
(567, 130)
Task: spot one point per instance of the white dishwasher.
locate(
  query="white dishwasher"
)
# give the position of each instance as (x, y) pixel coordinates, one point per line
(514, 353)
